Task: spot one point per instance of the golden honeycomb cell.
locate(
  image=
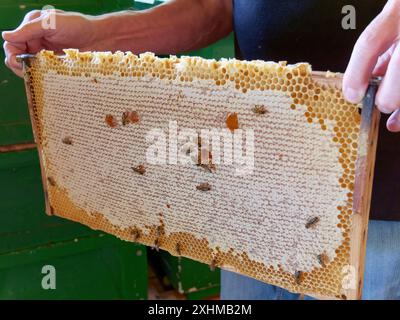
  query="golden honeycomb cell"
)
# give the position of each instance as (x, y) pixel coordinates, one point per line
(306, 147)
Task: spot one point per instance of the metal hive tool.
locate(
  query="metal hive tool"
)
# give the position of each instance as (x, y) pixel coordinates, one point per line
(298, 219)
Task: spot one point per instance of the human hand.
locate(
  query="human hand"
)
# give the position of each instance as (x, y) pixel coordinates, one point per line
(377, 53)
(71, 30)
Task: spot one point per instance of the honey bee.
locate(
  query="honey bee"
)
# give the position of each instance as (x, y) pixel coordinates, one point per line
(211, 168)
(299, 277)
(156, 244)
(95, 80)
(51, 181)
(139, 169)
(323, 259)
(135, 234)
(67, 140)
(178, 248)
(259, 109)
(213, 264)
(312, 222)
(205, 186)
(204, 154)
(159, 231)
(130, 117)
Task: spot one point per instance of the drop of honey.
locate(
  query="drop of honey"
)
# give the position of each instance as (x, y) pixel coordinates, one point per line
(232, 122)
(111, 121)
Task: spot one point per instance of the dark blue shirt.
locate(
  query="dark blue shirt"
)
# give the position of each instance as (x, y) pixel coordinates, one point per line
(311, 31)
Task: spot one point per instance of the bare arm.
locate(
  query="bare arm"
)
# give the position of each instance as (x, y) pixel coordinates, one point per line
(176, 26)
(173, 27)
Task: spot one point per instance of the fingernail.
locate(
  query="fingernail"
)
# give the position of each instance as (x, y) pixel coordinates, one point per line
(384, 110)
(393, 124)
(382, 106)
(353, 95)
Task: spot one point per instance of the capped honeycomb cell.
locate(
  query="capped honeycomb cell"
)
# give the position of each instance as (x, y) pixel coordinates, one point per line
(274, 201)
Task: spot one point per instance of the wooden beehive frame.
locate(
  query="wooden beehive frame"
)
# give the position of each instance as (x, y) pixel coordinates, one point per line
(363, 181)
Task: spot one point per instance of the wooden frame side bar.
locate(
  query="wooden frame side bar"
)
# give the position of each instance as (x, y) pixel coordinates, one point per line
(368, 140)
(26, 60)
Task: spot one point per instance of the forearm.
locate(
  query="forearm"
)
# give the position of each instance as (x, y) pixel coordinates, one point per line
(176, 26)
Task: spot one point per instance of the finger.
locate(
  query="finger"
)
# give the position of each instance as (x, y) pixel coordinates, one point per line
(18, 72)
(31, 15)
(388, 95)
(393, 123)
(373, 42)
(28, 31)
(383, 62)
(11, 51)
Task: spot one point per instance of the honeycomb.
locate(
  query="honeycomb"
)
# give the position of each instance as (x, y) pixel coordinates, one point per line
(287, 222)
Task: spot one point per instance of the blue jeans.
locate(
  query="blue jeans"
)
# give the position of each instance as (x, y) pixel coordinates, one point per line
(381, 276)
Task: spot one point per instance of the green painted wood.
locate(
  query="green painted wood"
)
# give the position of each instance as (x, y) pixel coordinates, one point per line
(15, 125)
(116, 5)
(89, 264)
(23, 222)
(192, 278)
(96, 267)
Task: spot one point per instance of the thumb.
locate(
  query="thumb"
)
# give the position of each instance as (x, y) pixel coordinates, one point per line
(26, 32)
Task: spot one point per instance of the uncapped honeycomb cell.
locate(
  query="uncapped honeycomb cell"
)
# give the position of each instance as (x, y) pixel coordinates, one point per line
(287, 221)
